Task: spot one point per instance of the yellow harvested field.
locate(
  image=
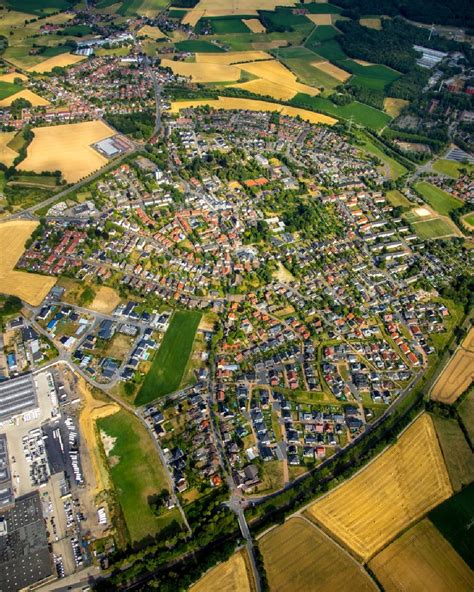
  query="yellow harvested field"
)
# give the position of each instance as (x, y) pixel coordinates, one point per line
(7, 155)
(203, 72)
(106, 300)
(267, 88)
(67, 148)
(320, 19)
(254, 25)
(232, 57)
(332, 70)
(151, 32)
(91, 411)
(12, 18)
(12, 76)
(30, 287)
(229, 103)
(298, 557)
(34, 99)
(422, 559)
(275, 72)
(394, 106)
(458, 373)
(61, 61)
(246, 7)
(230, 576)
(396, 489)
(371, 23)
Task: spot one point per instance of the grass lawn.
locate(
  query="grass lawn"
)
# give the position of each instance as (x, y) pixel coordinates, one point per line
(454, 519)
(396, 169)
(136, 472)
(434, 228)
(299, 60)
(450, 167)
(170, 362)
(9, 88)
(195, 45)
(469, 219)
(362, 114)
(438, 199)
(330, 50)
(398, 199)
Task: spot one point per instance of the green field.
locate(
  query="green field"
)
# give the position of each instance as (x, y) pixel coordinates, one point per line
(434, 228)
(282, 17)
(456, 451)
(39, 7)
(396, 169)
(130, 7)
(9, 88)
(299, 60)
(375, 77)
(466, 412)
(469, 219)
(454, 518)
(195, 45)
(225, 25)
(330, 50)
(77, 30)
(324, 8)
(170, 362)
(136, 472)
(361, 114)
(398, 199)
(450, 167)
(320, 34)
(438, 199)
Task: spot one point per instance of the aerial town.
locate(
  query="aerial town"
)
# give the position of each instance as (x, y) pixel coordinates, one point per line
(236, 296)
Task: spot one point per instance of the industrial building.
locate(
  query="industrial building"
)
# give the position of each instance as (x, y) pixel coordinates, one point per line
(17, 396)
(7, 498)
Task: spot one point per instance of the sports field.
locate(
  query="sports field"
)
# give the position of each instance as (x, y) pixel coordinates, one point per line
(170, 362)
(438, 199)
(458, 456)
(298, 557)
(230, 576)
(27, 94)
(392, 492)
(59, 61)
(435, 228)
(421, 559)
(7, 155)
(28, 286)
(458, 373)
(135, 469)
(229, 103)
(454, 519)
(67, 148)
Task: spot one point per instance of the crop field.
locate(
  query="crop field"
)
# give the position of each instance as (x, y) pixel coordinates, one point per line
(398, 199)
(435, 228)
(388, 495)
(421, 559)
(320, 19)
(254, 25)
(8, 88)
(267, 89)
(454, 519)
(374, 76)
(67, 148)
(458, 374)
(151, 32)
(466, 412)
(148, 8)
(37, 7)
(198, 45)
(394, 106)
(204, 72)
(331, 50)
(135, 469)
(371, 23)
(106, 300)
(7, 155)
(438, 199)
(230, 576)
(233, 57)
(332, 70)
(241, 7)
(362, 114)
(170, 361)
(28, 286)
(298, 557)
(30, 96)
(62, 60)
(450, 167)
(229, 103)
(457, 454)
(12, 76)
(303, 63)
(227, 25)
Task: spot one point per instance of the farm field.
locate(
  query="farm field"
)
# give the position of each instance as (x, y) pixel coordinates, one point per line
(421, 559)
(451, 167)
(392, 492)
(170, 361)
(198, 45)
(332, 70)
(8, 89)
(59, 61)
(148, 8)
(302, 62)
(454, 519)
(435, 228)
(371, 23)
(67, 148)
(152, 32)
(227, 25)
(373, 76)
(7, 155)
(229, 576)
(244, 7)
(458, 373)
(37, 7)
(457, 454)
(30, 96)
(254, 25)
(12, 76)
(398, 199)
(438, 199)
(298, 557)
(203, 72)
(106, 300)
(233, 57)
(466, 412)
(135, 470)
(28, 286)
(253, 105)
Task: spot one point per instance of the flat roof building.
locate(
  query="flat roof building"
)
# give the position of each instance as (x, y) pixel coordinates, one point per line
(17, 396)
(7, 497)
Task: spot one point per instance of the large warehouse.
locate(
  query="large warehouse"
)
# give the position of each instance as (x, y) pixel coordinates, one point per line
(6, 487)
(17, 396)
